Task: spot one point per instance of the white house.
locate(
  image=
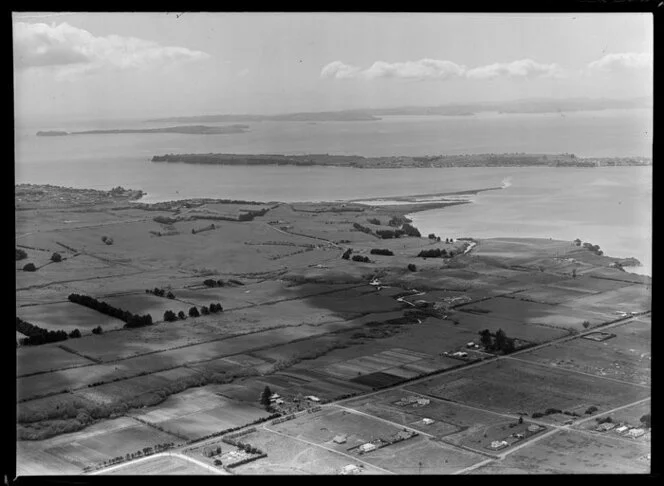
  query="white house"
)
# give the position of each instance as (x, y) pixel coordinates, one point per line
(312, 398)
(367, 447)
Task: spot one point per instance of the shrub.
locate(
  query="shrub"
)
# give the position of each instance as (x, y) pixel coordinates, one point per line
(210, 283)
(97, 330)
(551, 411)
(378, 251)
(645, 420)
(591, 410)
(205, 311)
(56, 257)
(20, 254)
(375, 221)
(170, 295)
(360, 258)
(412, 267)
(182, 315)
(29, 267)
(432, 236)
(217, 462)
(193, 312)
(537, 415)
(169, 316)
(433, 253)
(75, 334)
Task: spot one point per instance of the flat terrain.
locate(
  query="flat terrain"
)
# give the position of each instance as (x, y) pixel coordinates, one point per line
(303, 321)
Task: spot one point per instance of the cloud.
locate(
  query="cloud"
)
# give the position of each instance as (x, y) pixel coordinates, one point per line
(524, 68)
(440, 70)
(243, 73)
(422, 69)
(339, 70)
(622, 62)
(75, 51)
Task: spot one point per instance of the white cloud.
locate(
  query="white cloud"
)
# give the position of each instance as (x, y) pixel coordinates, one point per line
(74, 51)
(339, 70)
(422, 69)
(243, 73)
(524, 68)
(441, 70)
(622, 62)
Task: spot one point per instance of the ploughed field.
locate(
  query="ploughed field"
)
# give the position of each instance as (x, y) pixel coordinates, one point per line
(303, 321)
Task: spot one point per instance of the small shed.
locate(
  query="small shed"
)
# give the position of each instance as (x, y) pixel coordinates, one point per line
(340, 439)
(313, 398)
(423, 401)
(636, 433)
(427, 421)
(367, 447)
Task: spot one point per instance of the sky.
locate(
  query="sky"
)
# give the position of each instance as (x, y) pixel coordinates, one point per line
(142, 65)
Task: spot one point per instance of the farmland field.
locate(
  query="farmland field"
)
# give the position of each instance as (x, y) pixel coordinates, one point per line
(286, 455)
(515, 329)
(92, 445)
(67, 316)
(162, 465)
(571, 452)
(633, 298)
(147, 304)
(45, 358)
(515, 386)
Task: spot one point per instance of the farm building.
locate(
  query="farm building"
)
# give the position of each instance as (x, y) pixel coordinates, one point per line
(534, 428)
(340, 439)
(423, 401)
(427, 421)
(279, 401)
(498, 444)
(274, 396)
(403, 435)
(622, 429)
(367, 447)
(605, 426)
(636, 433)
(351, 469)
(312, 398)
(470, 345)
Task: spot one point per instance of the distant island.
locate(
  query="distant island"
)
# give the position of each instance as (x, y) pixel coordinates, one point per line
(302, 117)
(185, 129)
(473, 160)
(532, 105)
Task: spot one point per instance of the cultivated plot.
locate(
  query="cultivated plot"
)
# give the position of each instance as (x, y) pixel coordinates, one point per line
(165, 465)
(67, 316)
(47, 357)
(518, 387)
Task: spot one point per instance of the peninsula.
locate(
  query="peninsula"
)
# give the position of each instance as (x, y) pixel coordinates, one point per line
(466, 160)
(184, 129)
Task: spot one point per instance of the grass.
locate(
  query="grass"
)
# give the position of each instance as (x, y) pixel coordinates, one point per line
(37, 359)
(162, 465)
(67, 316)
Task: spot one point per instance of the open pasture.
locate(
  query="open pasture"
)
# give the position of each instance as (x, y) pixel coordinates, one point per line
(47, 357)
(634, 298)
(142, 303)
(323, 426)
(511, 386)
(92, 445)
(163, 465)
(67, 316)
(561, 316)
(622, 357)
(289, 456)
(474, 323)
(549, 294)
(421, 455)
(571, 452)
(589, 285)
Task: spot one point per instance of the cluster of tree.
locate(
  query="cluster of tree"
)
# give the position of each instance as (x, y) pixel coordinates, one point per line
(389, 234)
(164, 219)
(251, 214)
(21, 254)
(361, 228)
(435, 253)
(130, 320)
(360, 258)
(212, 451)
(499, 342)
(37, 335)
(398, 221)
(29, 267)
(97, 330)
(375, 221)
(603, 420)
(434, 237)
(646, 421)
(577, 242)
(56, 257)
(107, 240)
(411, 230)
(379, 251)
(548, 411)
(594, 248)
(412, 267)
(170, 316)
(265, 399)
(220, 283)
(347, 253)
(590, 410)
(160, 293)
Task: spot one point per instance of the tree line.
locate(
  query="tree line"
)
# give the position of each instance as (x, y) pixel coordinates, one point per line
(160, 293)
(130, 320)
(170, 316)
(497, 342)
(37, 335)
(379, 251)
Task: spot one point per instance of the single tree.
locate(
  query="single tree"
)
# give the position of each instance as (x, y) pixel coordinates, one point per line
(205, 311)
(501, 339)
(97, 330)
(193, 312)
(265, 397)
(170, 295)
(20, 254)
(182, 315)
(412, 267)
(56, 257)
(645, 420)
(29, 267)
(520, 419)
(169, 316)
(586, 324)
(485, 339)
